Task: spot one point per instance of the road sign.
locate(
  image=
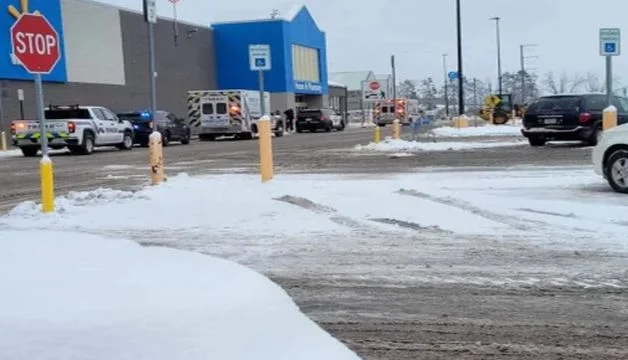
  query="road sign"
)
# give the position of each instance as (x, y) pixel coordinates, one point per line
(259, 57)
(453, 75)
(373, 90)
(610, 42)
(492, 100)
(35, 43)
(150, 11)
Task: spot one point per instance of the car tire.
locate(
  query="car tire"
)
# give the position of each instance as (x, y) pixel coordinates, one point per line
(29, 151)
(593, 139)
(186, 138)
(614, 176)
(536, 141)
(87, 148)
(342, 126)
(127, 141)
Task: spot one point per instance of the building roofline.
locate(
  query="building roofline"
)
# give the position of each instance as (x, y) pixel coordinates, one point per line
(141, 13)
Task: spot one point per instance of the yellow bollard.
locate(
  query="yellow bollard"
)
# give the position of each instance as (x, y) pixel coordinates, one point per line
(156, 158)
(46, 174)
(396, 129)
(3, 141)
(377, 134)
(609, 118)
(265, 149)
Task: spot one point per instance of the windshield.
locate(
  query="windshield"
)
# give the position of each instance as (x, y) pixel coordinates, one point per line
(67, 114)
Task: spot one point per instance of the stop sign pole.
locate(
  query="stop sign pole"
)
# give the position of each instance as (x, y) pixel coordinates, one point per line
(35, 46)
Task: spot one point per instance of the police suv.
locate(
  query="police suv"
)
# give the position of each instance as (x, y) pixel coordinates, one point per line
(79, 128)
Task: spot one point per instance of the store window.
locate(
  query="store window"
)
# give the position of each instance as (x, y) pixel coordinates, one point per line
(305, 64)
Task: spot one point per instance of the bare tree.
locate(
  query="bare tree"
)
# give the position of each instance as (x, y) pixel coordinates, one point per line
(564, 84)
(593, 83)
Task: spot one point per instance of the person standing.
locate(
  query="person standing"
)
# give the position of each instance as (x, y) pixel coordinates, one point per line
(289, 119)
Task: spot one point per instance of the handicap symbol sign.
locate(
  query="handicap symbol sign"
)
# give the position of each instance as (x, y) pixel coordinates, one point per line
(260, 62)
(609, 47)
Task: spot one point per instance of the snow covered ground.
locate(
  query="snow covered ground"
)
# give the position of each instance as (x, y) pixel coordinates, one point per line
(304, 224)
(10, 153)
(389, 145)
(474, 131)
(75, 296)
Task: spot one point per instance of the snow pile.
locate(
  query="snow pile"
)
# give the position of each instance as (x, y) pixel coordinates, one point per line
(486, 130)
(10, 153)
(399, 145)
(81, 297)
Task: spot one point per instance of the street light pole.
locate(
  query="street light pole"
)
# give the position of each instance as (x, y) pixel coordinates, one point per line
(445, 78)
(460, 73)
(499, 53)
(523, 71)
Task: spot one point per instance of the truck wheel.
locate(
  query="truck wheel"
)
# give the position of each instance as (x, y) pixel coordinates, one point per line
(29, 151)
(500, 118)
(616, 167)
(88, 144)
(165, 140)
(127, 141)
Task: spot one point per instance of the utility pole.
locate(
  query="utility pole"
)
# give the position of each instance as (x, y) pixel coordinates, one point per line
(523, 70)
(445, 80)
(499, 53)
(475, 93)
(394, 80)
(460, 72)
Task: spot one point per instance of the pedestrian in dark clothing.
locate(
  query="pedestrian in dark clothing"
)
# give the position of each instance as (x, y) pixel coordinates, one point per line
(289, 119)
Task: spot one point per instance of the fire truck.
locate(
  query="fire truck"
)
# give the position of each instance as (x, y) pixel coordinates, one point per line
(386, 111)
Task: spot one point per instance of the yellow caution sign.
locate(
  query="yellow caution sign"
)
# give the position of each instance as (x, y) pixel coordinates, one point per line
(492, 100)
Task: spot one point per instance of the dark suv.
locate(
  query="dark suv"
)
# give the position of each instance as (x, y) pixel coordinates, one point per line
(314, 119)
(171, 127)
(569, 117)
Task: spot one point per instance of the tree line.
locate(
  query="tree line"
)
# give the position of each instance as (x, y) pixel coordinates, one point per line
(475, 90)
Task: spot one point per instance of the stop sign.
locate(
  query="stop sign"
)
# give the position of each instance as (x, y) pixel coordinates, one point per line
(35, 43)
(374, 85)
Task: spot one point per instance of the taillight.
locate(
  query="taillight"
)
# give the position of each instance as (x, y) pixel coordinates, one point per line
(13, 129)
(324, 118)
(71, 127)
(584, 118)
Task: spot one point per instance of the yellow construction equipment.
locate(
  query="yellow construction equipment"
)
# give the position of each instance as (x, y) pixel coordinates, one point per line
(498, 109)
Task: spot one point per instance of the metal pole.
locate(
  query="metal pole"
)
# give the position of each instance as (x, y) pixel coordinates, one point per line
(175, 24)
(609, 80)
(523, 75)
(460, 73)
(39, 98)
(475, 92)
(445, 80)
(394, 79)
(152, 70)
(499, 54)
(261, 92)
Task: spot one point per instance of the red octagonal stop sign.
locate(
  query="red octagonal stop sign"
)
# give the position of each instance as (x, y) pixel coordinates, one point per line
(374, 85)
(35, 43)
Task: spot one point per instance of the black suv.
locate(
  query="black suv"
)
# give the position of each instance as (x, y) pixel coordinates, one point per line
(569, 117)
(171, 127)
(315, 119)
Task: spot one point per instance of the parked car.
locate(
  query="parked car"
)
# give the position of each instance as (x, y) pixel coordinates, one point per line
(315, 119)
(610, 157)
(569, 117)
(171, 127)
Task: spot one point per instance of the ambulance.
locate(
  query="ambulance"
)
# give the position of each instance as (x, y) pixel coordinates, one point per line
(386, 111)
(215, 113)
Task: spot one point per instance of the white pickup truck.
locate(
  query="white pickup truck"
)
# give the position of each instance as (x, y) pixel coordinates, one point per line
(79, 128)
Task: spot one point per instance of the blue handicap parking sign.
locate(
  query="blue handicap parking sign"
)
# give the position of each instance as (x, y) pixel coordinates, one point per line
(609, 47)
(260, 62)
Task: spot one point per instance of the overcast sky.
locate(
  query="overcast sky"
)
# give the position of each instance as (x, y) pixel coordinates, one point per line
(361, 35)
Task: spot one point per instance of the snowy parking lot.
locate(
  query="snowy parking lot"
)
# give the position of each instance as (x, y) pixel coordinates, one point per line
(429, 262)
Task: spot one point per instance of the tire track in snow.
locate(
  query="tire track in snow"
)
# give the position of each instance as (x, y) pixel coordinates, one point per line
(523, 225)
(344, 220)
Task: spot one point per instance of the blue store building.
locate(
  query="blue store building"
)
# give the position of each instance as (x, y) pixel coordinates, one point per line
(298, 77)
